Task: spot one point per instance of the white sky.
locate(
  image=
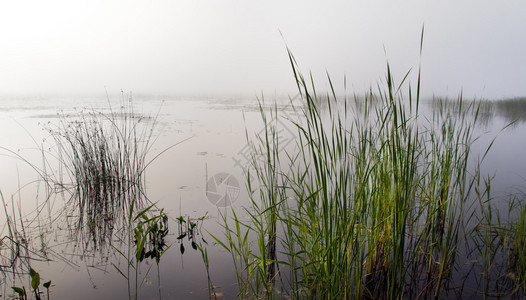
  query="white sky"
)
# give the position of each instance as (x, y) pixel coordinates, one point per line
(216, 46)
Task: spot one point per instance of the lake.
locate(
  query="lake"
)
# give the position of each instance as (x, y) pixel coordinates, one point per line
(198, 177)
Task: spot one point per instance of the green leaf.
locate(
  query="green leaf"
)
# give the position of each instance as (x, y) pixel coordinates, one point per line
(142, 212)
(140, 249)
(35, 279)
(120, 272)
(19, 291)
(47, 284)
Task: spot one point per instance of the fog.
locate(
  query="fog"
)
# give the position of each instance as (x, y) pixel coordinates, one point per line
(240, 47)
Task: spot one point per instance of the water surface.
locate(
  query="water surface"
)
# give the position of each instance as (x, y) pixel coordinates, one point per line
(210, 134)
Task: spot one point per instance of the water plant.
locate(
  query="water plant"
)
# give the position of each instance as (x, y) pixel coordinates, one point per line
(374, 202)
(35, 286)
(148, 233)
(16, 249)
(102, 156)
(189, 228)
(204, 255)
(98, 158)
(517, 245)
(149, 236)
(499, 244)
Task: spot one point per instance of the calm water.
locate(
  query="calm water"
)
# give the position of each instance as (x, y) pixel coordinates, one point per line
(213, 148)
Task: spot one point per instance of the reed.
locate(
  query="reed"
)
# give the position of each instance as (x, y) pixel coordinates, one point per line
(517, 246)
(500, 243)
(102, 157)
(373, 202)
(99, 158)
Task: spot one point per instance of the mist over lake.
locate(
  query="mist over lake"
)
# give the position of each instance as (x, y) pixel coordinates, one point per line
(297, 150)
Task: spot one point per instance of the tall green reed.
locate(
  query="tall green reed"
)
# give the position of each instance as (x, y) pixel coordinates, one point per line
(373, 202)
(517, 245)
(500, 247)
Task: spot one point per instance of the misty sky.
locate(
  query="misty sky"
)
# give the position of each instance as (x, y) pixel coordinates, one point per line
(224, 47)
